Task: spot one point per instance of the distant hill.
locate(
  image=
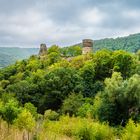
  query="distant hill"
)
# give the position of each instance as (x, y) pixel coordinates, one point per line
(12, 54)
(129, 43)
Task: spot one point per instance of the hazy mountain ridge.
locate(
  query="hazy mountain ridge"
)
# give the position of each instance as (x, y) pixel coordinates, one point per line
(9, 55)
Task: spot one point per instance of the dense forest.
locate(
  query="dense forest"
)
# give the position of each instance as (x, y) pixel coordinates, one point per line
(129, 43)
(81, 97)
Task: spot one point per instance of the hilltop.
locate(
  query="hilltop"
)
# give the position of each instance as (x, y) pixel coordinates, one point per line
(129, 43)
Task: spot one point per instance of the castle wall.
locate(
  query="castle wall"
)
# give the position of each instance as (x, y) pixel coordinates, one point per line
(86, 50)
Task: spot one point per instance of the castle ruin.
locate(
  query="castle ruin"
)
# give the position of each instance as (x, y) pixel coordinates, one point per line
(87, 46)
(43, 49)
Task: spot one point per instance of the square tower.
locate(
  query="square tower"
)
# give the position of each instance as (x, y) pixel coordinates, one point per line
(87, 46)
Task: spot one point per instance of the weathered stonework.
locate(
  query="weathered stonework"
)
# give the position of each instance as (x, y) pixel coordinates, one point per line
(43, 49)
(87, 46)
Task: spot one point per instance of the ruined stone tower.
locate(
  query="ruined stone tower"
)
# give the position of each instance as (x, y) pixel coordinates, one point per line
(43, 49)
(87, 46)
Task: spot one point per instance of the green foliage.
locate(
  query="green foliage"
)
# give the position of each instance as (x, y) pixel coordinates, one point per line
(30, 107)
(10, 111)
(122, 62)
(25, 91)
(131, 131)
(119, 101)
(4, 83)
(103, 64)
(60, 82)
(47, 83)
(54, 48)
(85, 110)
(129, 43)
(72, 104)
(51, 115)
(25, 121)
(71, 51)
(79, 129)
(53, 57)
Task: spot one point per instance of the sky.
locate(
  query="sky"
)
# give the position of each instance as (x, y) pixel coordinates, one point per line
(28, 23)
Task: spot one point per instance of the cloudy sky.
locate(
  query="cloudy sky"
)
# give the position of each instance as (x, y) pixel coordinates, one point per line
(28, 23)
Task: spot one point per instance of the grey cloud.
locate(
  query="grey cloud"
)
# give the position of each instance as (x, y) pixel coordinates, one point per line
(30, 22)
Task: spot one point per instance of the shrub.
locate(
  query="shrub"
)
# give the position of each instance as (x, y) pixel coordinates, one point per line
(131, 131)
(51, 115)
(79, 129)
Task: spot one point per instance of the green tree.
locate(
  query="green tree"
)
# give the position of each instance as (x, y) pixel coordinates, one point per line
(119, 101)
(30, 107)
(122, 62)
(72, 104)
(60, 82)
(25, 121)
(10, 111)
(103, 64)
(51, 115)
(91, 87)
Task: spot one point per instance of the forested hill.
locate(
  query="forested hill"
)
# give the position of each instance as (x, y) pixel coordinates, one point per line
(129, 43)
(12, 54)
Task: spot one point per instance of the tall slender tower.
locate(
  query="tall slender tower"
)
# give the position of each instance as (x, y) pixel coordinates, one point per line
(87, 46)
(43, 49)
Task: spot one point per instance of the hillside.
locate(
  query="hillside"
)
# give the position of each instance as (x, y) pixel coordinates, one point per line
(129, 43)
(12, 54)
(90, 97)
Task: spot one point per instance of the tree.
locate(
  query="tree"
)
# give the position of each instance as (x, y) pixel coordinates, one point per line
(85, 110)
(30, 107)
(90, 84)
(51, 115)
(72, 104)
(25, 91)
(60, 82)
(103, 64)
(119, 101)
(10, 111)
(25, 121)
(122, 62)
(71, 51)
(54, 48)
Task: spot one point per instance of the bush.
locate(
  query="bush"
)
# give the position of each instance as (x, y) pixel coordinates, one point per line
(131, 131)
(79, 129)
(51, 115)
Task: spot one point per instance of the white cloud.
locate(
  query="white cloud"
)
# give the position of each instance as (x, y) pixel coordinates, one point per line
(65, 22)
(131, 14)
(92, 16)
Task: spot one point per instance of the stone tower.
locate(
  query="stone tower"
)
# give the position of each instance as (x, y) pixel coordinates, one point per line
(43, 49)
(87, 46)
